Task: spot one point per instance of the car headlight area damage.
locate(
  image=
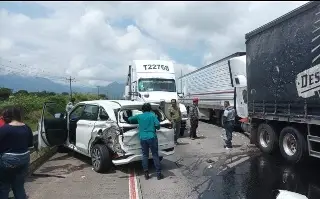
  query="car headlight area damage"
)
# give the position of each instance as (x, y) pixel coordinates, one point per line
(110, 137)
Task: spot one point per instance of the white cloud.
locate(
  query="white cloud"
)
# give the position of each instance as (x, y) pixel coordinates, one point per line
(95, 41)
(5, 44)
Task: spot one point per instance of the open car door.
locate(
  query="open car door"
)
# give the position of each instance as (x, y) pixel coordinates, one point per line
(52, 127)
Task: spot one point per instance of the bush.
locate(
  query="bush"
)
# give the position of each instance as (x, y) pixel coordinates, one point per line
(32, 103)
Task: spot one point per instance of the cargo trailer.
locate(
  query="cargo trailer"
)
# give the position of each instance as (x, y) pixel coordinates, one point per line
(283, 79)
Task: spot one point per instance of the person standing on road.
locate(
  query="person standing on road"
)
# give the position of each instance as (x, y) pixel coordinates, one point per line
(15, 140)
(1, 121)
(194, 118)
(228, 121)
(70, 105)
(175, 118)
(148, 124)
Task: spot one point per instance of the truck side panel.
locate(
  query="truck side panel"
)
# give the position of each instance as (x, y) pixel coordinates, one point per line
(211, 85)
(283, 67)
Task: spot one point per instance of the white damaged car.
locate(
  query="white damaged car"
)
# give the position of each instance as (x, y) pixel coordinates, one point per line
(100, 130)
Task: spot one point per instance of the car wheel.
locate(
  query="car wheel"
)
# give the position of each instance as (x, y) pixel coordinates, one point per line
(100, 158)
(267, 138)
(182, 131)
(293, 145)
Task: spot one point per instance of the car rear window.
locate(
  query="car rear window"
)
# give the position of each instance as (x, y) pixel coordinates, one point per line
(125, 114)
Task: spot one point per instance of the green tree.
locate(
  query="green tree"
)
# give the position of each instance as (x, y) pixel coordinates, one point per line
(5, 93)
(102, 96)
(21, 92)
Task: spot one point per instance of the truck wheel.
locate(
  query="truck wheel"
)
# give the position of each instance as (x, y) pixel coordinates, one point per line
(267, 138)
(100, 157)
(293, 145)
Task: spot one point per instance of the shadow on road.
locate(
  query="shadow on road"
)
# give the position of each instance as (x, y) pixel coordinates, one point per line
(60, 166)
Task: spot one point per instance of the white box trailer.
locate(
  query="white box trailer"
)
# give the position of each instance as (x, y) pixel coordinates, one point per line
(215, 83)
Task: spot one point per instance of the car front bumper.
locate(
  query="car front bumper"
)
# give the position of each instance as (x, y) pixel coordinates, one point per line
(138, 157)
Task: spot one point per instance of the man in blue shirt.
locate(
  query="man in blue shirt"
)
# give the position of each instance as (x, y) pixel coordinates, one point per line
(148, 124)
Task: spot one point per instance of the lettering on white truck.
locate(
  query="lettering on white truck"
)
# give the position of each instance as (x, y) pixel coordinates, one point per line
(155, 66)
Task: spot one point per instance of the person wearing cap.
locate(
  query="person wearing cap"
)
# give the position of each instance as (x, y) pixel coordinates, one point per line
(194, 118)
(175, 118)
(228, 122)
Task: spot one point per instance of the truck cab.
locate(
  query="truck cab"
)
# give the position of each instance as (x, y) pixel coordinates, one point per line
(154, 81)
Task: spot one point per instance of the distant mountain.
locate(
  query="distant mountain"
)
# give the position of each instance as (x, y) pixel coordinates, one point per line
(114, 90)
(34, 84)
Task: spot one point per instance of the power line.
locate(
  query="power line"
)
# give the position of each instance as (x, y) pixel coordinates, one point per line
(70, 80)
(22, 69)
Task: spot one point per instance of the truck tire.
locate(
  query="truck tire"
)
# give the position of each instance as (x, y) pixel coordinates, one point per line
(267, 138)
(100, 158)
(293, 145)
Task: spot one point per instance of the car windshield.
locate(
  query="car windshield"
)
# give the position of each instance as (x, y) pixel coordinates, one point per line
(125, 114)
(157, 84)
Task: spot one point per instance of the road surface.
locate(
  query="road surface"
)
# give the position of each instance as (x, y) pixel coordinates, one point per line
(200, 168)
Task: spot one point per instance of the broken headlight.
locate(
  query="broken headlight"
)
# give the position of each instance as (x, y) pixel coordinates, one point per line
(111, 138)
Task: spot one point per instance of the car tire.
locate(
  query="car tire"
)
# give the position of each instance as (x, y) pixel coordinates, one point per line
(100, 158)
(298, 139)
(267, 138)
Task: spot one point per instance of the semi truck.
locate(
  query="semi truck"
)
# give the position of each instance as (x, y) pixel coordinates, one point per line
(154, 81)
(215, 83)
(283, 79)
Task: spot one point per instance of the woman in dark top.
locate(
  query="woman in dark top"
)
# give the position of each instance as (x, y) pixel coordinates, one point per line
(15, 140)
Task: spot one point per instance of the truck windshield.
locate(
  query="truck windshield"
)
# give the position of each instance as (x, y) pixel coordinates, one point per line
(157, 84)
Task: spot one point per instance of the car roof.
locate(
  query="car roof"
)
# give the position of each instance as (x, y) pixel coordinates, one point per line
(115, 104)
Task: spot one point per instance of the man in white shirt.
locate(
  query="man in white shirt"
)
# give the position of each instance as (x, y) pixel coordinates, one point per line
(70, 105)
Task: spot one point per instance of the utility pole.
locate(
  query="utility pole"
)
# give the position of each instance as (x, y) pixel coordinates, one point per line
(70, 80)
(181, 81)
(98, 90)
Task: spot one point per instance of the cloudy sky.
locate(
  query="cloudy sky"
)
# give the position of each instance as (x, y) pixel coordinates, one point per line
(95, 41)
